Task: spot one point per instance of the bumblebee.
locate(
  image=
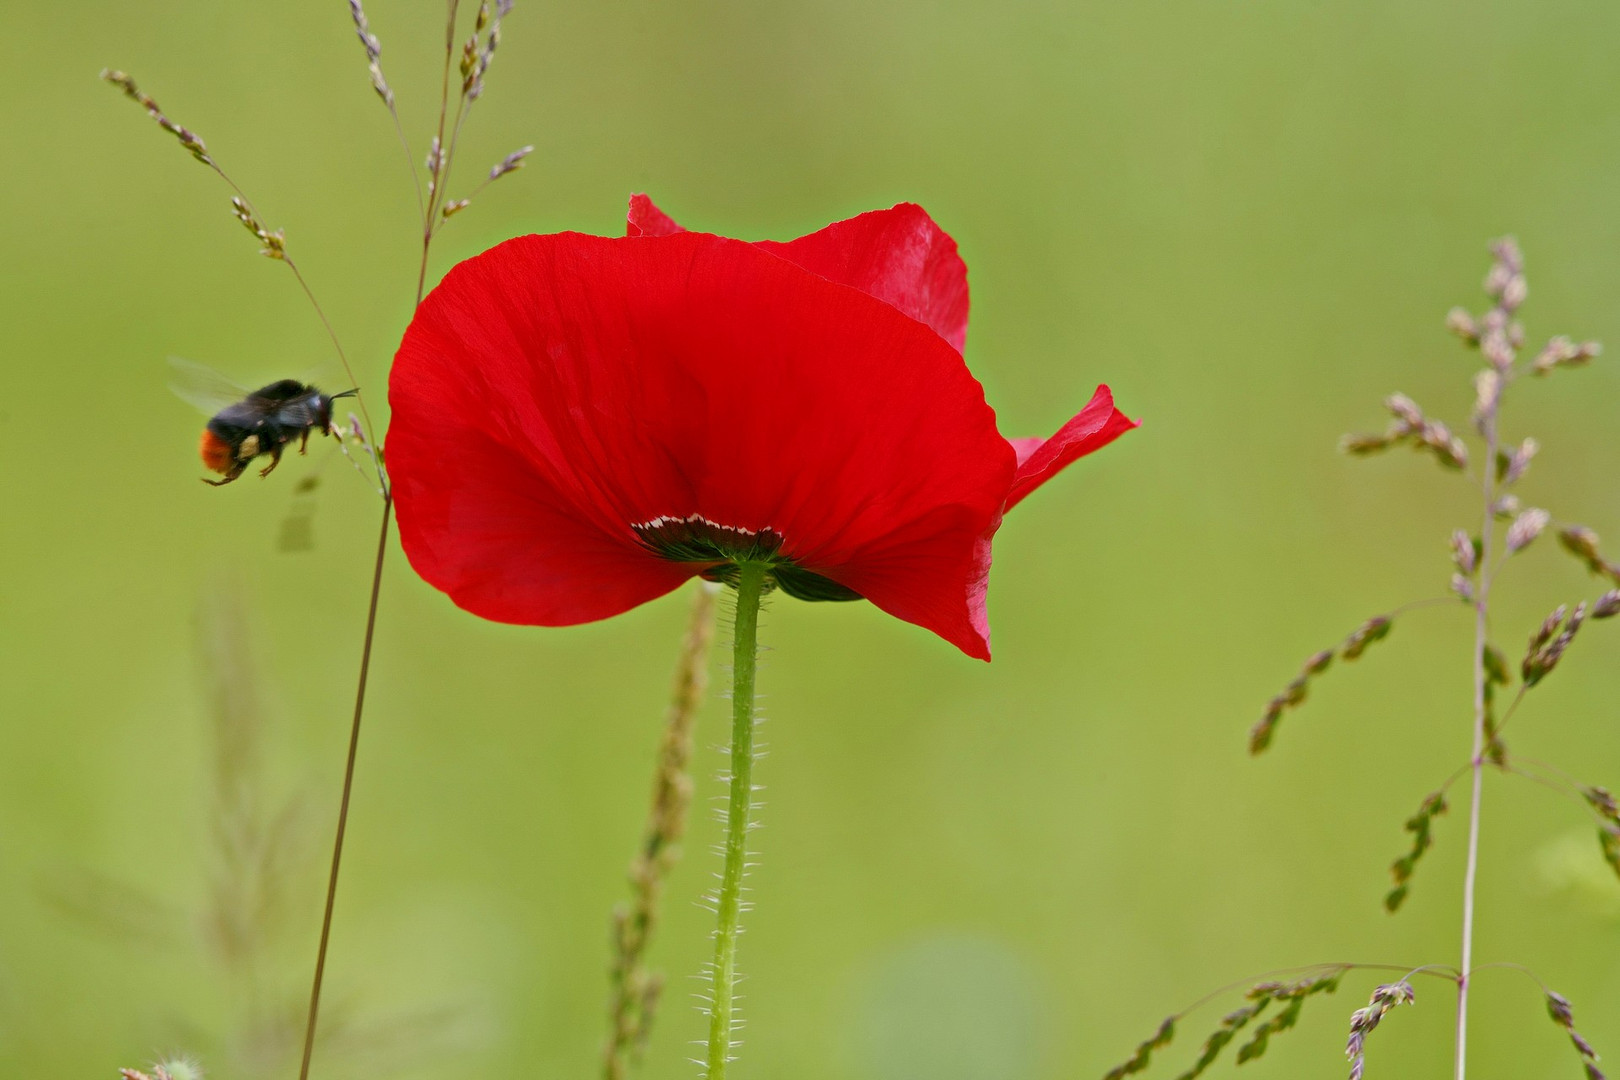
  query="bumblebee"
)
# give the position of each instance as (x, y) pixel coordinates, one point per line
(262, 423)
(246, 425)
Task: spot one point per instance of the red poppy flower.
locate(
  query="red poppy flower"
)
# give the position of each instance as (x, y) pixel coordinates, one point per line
(582, 423)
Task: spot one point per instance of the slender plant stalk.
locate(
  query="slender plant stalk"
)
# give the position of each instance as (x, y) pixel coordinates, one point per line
(750, 588)
(635, 990)
(1477, 761)
(365, 651)
(348, 788)
(436, 177)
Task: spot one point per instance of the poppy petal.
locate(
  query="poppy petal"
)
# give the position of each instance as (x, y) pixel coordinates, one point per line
(645, 219)
(903, 575)
(1097, 425)
(898, 255)
(471, 511)
(617, 383)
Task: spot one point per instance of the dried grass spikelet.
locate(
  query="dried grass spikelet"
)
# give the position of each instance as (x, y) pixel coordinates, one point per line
(1420, 825)
(1606, 606)
(1512, 465)
(1364, 1020)
(1487, 394)
(1582, 543)
(1464, 552)
(1545, 649)
(478, 54)
(434, 164)
(510, 163)
(1609, 845)
(1411, 427)
(1373, 630)
(1447, 448)
(1143, 1055)
(1496, 343)
(1607, 808)
(1259, 997)
(1405, 410)
(272, 244)
(1507, 264)
(1561, 351)
(1463, 586)
(1292, 996)
(1525, 528)
(1496, 677)
(1359, 444)
(1558, 1007)
(1461, 323)
(368, 40)
(1293, 695)
(1232, 1023)
(188, 138)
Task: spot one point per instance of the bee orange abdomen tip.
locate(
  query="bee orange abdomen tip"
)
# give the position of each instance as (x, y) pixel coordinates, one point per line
(215, 452)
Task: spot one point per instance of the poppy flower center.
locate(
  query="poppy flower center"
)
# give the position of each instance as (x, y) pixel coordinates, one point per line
(695, 538)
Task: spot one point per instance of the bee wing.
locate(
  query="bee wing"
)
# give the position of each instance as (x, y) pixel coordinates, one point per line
(298, 413)
(203, 387)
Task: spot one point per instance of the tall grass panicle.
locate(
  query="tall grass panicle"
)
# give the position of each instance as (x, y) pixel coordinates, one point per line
(1492, 461)
(245, 920)
(634, 989)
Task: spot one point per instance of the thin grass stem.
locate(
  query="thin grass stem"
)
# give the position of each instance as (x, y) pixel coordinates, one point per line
(1477, 758)
(435, 185)
(348, 789)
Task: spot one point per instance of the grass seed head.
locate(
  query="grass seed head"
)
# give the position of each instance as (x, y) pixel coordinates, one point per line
(1562, 351)
(510, 163)
(189, 139)
(1404, 409)
(1607, 606)
(1463, 552)
(1525, 528)
(1461, 323)
(1563, 1014)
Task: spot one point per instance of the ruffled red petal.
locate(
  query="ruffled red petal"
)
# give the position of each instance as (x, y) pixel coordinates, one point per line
(902, 576)
(1097, 425)
(645, 219)
(557, 390)
(898, 255)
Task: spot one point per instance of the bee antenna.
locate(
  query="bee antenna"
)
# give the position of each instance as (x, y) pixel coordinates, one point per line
(347, 393)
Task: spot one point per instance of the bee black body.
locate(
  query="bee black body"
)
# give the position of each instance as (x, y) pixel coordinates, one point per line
(262, 423)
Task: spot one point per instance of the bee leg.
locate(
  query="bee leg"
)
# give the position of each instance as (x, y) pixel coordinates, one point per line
(236, 470)
(303, 442)
(275, 459)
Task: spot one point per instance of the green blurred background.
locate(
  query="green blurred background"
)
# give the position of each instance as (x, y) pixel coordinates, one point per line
(1249, 218)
